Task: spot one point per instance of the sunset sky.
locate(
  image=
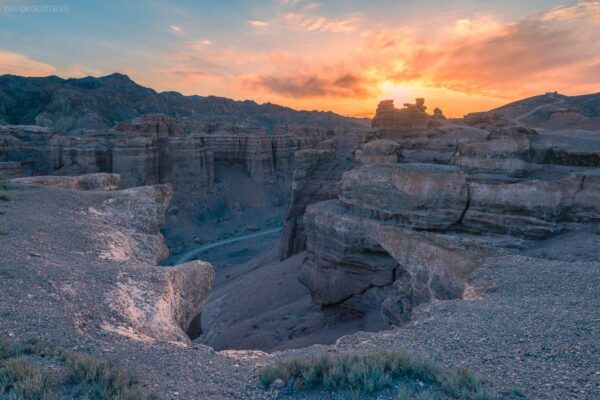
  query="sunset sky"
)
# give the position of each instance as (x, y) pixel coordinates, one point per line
(335, 55)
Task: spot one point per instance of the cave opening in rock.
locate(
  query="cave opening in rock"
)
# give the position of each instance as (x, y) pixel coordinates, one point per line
(194, 330)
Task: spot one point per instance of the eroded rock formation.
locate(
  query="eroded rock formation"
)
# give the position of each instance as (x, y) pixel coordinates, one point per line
(410, 117)
(149, 150)
(119, 230)
(164, 309)
(411, 220)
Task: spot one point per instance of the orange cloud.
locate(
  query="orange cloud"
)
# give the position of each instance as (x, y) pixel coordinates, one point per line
(311, 86)
(15, 63)
(468, 64)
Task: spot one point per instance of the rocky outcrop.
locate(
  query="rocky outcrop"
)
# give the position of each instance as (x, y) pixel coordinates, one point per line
(438, 114)
(164, 307)
(527, 209)
(505, 151)
(137, 214)
(420, 196)
(585, 206)
(409, 224)
(374, 267)
(412, 116)
(345, 259)
(100, 181)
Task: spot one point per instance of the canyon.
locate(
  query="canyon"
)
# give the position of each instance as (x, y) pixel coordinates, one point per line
(412, 229)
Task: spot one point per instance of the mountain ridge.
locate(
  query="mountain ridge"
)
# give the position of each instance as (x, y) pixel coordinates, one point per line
(101, 102)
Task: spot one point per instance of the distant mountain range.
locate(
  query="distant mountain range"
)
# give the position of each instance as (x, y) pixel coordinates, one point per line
(98, 103)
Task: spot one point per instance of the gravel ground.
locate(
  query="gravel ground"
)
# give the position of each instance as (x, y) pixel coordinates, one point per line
(531, 323)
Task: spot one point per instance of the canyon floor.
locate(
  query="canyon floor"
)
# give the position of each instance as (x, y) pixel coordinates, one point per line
(530, 321)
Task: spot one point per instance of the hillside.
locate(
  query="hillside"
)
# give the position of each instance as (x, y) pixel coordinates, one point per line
(555, 111)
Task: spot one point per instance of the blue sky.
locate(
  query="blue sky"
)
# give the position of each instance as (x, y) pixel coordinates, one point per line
(340, 55)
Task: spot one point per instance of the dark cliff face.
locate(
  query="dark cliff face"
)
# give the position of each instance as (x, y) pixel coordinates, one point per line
(96, 103)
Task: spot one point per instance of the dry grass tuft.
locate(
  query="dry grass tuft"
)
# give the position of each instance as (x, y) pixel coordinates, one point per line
(371, 372)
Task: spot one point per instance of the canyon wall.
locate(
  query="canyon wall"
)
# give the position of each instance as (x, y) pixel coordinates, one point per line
(410, 220)
(155, 149)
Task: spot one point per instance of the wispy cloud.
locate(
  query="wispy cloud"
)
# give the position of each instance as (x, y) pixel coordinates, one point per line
(316, 23)
(258, 24)
(176, 29)
(15, 63)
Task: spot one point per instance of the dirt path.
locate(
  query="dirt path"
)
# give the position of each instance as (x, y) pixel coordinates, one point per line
(191, 254)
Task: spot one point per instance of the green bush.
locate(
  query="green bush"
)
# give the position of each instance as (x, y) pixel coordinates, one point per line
(371, 372)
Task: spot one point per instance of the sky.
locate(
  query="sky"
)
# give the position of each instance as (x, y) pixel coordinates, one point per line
(344, 56)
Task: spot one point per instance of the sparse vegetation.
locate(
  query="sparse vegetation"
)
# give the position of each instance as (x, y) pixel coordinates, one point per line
(93, 379)
(23, 377)
(371, 372)
(4, 197)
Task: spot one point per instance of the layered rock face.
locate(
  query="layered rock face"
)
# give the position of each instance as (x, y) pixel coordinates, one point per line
(315, 179)
(412, 218)
(53, 126)
(153, 149)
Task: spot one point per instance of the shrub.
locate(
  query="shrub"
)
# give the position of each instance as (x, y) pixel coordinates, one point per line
(370, 372)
